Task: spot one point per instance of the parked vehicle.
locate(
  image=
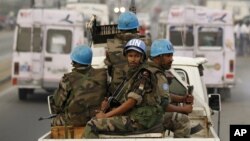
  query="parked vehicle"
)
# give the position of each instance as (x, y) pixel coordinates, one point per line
(43, 40)
(197, 31)
(187, 72)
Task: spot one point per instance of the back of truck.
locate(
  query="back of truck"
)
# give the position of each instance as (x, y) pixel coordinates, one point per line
(186, 73)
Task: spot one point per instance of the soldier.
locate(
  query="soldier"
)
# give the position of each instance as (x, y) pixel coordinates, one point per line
(78, 95)
(140, 106)
(175, 118)
(127, 24)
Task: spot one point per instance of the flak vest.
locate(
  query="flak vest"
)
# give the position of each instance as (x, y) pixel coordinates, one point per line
(149, 112)
(86, 92)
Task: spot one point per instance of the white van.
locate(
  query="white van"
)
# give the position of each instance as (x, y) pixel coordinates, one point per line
(43, 40)
(202, 32)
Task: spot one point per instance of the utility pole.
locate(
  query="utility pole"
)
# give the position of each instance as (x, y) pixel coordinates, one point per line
(32, 3)
(132, 6)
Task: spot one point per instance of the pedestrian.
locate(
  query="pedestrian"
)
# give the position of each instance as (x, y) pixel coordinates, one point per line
(237, 37)
(244, 38)
(139, 107)
(79, 94)
(175, 117)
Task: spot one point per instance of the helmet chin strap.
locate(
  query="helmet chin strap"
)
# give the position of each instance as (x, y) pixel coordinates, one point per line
(83, 67)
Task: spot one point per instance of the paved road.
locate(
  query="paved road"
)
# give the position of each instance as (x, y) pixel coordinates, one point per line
(6, 41)
(235, 110)
(19, 119)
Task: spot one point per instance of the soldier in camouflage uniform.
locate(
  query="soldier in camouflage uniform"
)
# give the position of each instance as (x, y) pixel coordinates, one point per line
(116, 62)
(140, 105)
(175, 118)
(80, 92)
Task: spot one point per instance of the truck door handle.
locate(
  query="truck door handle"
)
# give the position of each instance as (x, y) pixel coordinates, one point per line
(199, 55)
(48, 59)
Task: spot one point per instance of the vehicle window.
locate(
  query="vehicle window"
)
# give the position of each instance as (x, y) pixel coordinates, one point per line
(181, 36)
(59, 41)
(176, 86)
(23, 39)
(37, 46)
(210, 36)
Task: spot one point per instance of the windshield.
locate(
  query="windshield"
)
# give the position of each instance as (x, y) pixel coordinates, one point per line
(181, 36)
(59, 41)
(210, 36)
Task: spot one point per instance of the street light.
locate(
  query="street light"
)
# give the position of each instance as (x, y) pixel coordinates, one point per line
(116, 10)
(122, 9)
(119, 10)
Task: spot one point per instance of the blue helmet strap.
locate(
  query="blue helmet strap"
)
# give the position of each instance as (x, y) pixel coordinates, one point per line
(83, 67)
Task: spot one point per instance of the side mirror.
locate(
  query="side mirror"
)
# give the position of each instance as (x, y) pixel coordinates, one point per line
(214, 102)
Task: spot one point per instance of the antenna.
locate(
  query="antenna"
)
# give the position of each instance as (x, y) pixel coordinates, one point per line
(132, 6)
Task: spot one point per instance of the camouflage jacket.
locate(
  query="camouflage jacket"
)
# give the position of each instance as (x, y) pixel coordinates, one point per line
(162, 84)
(79, 93)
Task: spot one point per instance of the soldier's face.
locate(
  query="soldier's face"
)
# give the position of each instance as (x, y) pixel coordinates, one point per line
(134, 58)
(166, 61)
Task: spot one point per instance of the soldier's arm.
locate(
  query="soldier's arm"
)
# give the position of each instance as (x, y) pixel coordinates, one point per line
(123, 108)
(163, 90)
(61, 94)
(185, 109)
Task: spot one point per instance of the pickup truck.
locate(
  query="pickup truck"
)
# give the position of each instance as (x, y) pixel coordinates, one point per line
(187, 72)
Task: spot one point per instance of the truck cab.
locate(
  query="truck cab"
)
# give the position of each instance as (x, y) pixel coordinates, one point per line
(197, 31)
(186, 73)
(43, 40)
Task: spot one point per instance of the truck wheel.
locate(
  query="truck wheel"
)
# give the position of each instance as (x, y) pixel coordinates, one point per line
(224, 93)
(23, 92)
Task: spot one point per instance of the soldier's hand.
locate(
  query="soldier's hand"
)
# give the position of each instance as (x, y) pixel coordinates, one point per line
(188, 108)
(189, 99)
(100, 115)
(104, 104)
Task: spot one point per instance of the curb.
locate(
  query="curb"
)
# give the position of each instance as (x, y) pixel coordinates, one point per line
(5, 79)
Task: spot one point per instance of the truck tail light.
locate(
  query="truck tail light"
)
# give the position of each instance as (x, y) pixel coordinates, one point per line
(14, 81)
(229, 76)
(16, 68)
(231, 66)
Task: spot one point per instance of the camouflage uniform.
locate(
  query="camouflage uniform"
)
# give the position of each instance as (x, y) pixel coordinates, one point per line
(79, 93)
(176, 122)
(146, 114)
(115, 60)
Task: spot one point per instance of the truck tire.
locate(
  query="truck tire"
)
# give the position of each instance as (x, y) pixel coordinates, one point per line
(224, 93)
(23, 92)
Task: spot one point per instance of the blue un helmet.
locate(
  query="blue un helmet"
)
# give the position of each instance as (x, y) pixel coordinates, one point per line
(82, 54)
(127, 21)
(160, 47)
(137, 45)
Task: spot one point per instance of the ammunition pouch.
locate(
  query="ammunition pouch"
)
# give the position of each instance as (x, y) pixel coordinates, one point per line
(67, 132)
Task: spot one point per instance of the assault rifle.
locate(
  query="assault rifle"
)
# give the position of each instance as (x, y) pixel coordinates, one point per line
(138, 87)
(113, 99)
